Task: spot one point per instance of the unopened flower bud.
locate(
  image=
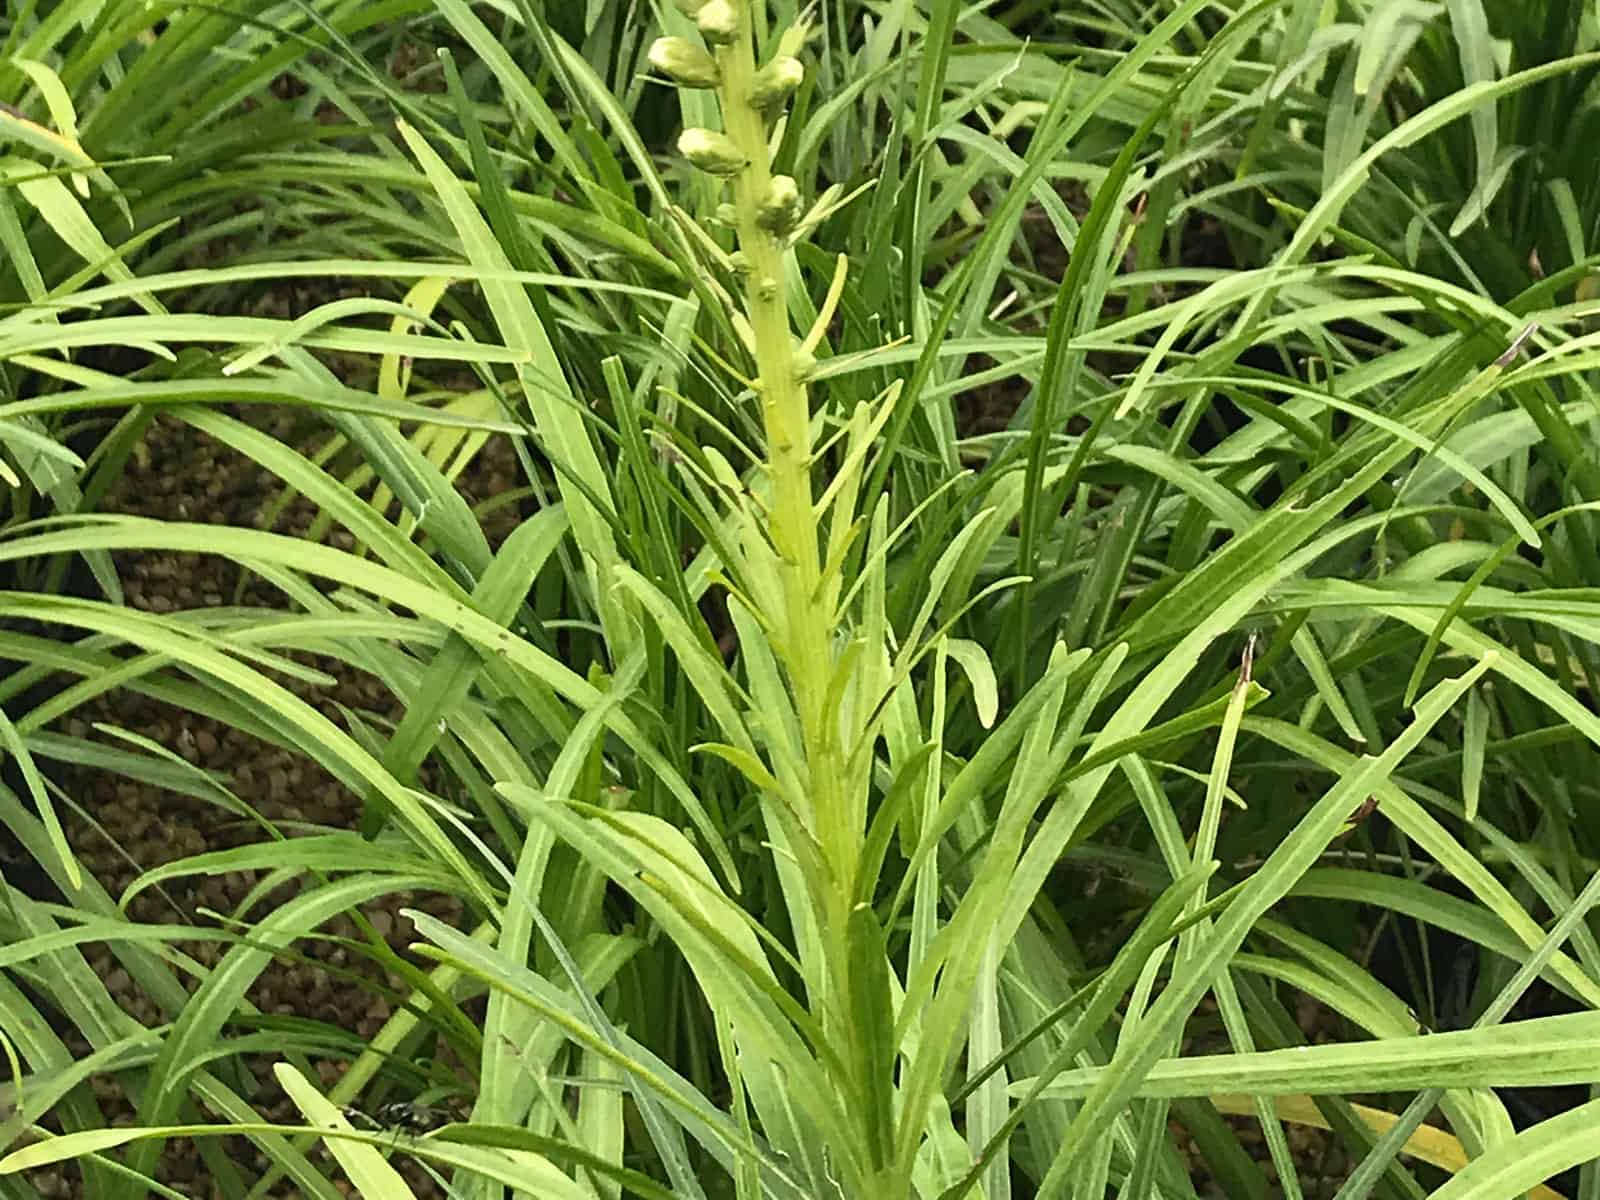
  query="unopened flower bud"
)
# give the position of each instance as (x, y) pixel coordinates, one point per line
(714, 153)
(803, 362)
(686, 64)
(779, 209)
(776, 82)
(718, 21)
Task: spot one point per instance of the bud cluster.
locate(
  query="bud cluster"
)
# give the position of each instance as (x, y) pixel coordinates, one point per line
(678, 59)
(766, 208)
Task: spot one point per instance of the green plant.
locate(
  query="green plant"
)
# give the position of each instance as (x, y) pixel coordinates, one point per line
(753, 753)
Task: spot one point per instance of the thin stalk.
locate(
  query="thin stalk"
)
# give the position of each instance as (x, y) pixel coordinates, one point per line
(786, 415)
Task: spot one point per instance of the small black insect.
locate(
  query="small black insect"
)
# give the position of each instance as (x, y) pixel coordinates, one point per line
(401, 1116)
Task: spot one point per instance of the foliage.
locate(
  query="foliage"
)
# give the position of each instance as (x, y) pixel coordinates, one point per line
(1032, 523)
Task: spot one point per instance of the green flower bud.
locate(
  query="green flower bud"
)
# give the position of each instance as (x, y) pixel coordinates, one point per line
(779, 210)
(776, 82)
(714, 153)
(686, 64)
(718, 21)
(727, 214)
(740, 262)
(803, 363)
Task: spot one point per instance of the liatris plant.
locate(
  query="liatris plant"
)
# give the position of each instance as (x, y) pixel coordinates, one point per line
(766, 882)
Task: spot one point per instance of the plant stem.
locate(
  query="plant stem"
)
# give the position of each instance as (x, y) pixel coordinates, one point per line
(808, 625)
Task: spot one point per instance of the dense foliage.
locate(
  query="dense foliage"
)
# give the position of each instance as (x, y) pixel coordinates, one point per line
(895, 599)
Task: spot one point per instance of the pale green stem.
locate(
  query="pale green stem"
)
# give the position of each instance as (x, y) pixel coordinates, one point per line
(808, 625)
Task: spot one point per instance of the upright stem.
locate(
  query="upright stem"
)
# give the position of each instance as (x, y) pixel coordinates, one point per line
(808, 633)
(848, 978)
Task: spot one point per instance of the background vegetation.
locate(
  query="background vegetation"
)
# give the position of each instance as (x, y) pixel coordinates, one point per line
(707, 599)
